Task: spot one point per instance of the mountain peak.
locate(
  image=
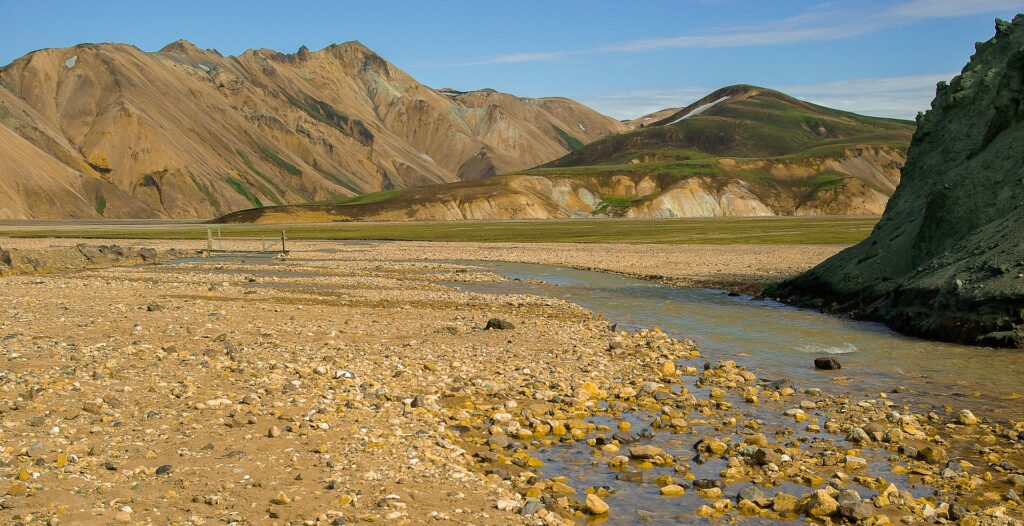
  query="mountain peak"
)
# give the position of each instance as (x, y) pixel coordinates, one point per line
(184, 47)
(180, 46)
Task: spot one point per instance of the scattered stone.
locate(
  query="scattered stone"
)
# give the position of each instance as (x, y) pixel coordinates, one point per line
(966, 418)
(646, 452)
(594, 505)
(499, 325)
(673, 490)
(821, 504)
(933, 455)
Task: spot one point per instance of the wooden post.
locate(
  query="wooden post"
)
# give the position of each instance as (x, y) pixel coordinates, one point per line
(209, 239)
(283, 238)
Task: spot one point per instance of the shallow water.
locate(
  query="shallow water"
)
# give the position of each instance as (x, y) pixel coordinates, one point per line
(778, 341)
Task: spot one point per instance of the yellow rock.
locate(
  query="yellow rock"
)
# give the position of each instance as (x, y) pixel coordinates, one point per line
(624, 426)
(24, 475)
(673, 490)
(594, 505)
(281, 499)
(710, 493)
(667, 368)
(62, 460)
(559, 488)
(717, 447)
(17, 488)
(747, 507)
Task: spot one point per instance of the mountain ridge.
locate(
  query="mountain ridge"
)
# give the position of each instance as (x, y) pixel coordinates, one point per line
(814, 160)
(188, 132)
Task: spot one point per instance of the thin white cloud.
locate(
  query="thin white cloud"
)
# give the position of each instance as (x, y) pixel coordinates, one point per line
(822, 23)
(953, 8)
(896, 97)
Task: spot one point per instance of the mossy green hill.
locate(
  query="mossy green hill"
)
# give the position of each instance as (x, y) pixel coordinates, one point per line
(746, 122)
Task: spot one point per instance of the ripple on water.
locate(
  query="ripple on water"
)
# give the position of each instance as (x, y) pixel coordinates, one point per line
(846, 348)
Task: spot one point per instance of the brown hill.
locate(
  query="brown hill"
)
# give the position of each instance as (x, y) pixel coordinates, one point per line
(107, 130)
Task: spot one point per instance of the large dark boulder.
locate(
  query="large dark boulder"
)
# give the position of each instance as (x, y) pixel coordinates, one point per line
(946, 261)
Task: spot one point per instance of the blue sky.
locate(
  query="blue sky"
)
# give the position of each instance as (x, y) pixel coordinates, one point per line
(623, 58)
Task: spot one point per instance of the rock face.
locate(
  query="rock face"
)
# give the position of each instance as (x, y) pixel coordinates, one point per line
(947, 259)
(107, 130)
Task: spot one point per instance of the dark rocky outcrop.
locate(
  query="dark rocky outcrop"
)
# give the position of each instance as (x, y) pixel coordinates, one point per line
(947, 259)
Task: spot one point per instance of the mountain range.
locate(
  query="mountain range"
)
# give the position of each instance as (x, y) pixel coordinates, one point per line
(740, 151)
(111, 131)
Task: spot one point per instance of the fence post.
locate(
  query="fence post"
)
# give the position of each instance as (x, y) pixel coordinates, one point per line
(209, 239)
(283, 238)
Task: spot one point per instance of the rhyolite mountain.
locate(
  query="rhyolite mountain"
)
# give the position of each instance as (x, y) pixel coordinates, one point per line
(107, 130)
(946, 261)
(740, 151)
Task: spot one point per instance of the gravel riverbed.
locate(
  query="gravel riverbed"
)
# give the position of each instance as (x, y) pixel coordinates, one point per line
(351, 383)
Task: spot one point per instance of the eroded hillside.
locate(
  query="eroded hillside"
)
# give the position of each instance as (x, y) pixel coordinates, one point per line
(111, 131)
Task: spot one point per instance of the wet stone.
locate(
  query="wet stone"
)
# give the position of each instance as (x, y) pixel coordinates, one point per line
(827, 364)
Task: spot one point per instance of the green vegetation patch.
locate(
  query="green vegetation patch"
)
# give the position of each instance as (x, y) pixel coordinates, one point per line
(252, 168)
(276, 159)
(243, 190)
(208, 192)
(327, 114)
(572, 142)
(101, 203)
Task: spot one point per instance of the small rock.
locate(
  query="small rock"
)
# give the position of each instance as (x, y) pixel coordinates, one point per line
(827, 363)
(595, 506)
(499, 324)
(675, 490)
(966, 418)
(164, 469)
(821, 504)
(646, 452)
(753, 494)
(933, 455)
(858, 435)
(531, 507)
(784, 503)
(857, 511)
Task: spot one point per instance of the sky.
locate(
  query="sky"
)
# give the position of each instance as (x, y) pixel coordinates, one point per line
(624, 59)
